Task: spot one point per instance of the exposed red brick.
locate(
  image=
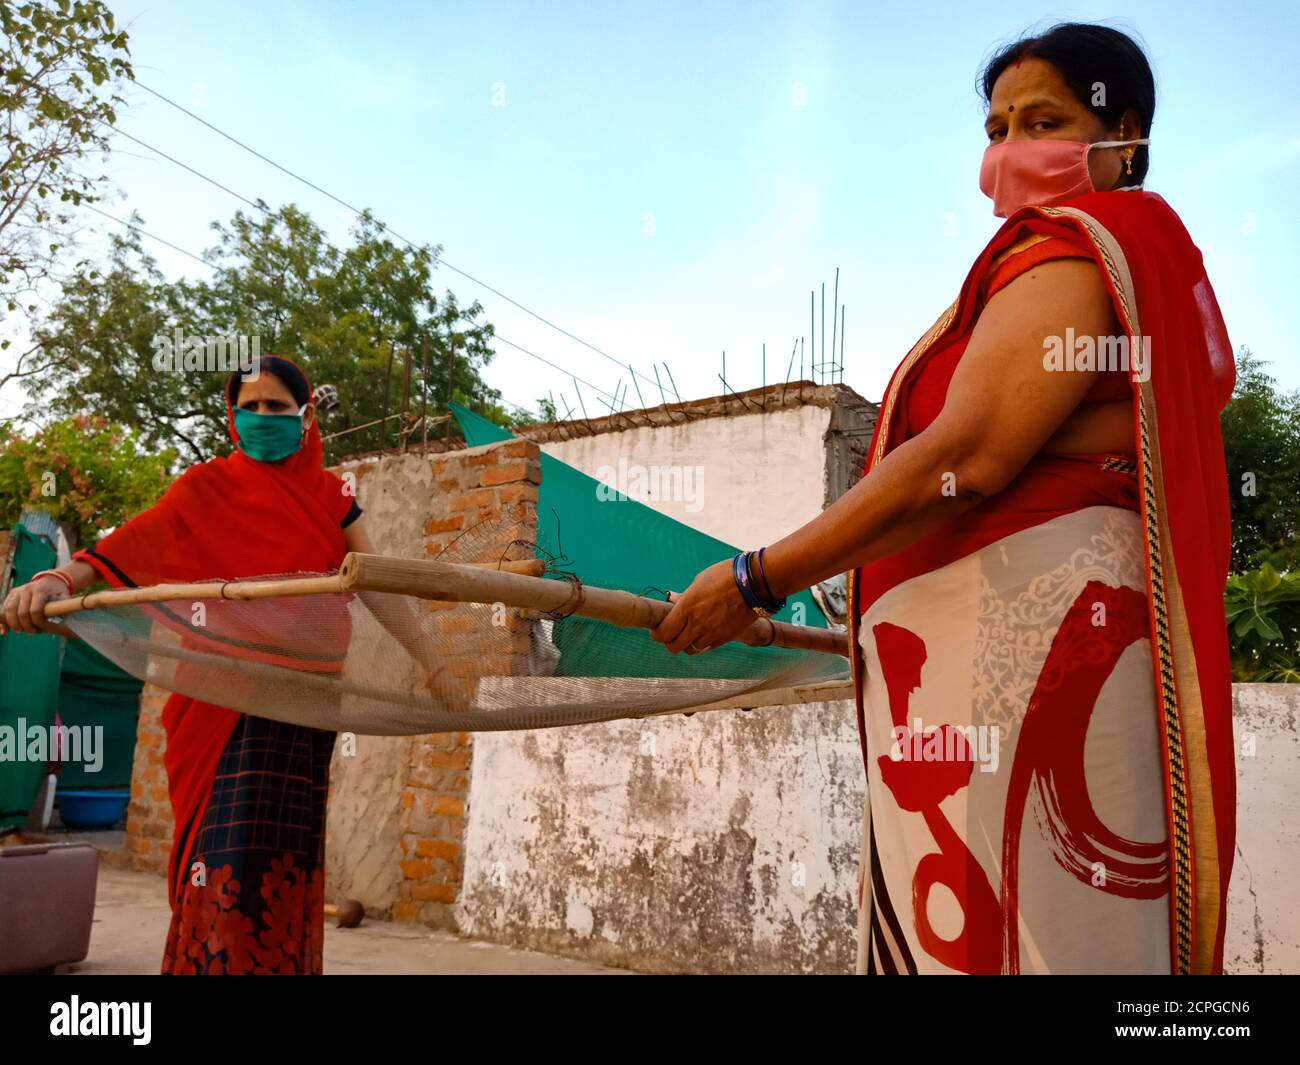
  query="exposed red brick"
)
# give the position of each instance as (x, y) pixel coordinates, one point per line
(435, 892)
(489, 457)
(480, 497)
(447, 759)
(437, 848)
(521, 491)
(452, 524)
(416, 868)
(504, 474)
(519, 449)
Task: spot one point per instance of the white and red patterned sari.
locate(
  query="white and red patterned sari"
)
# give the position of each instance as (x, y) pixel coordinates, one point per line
(1043, 687)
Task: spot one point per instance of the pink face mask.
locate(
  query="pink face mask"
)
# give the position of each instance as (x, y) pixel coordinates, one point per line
(1038, 173)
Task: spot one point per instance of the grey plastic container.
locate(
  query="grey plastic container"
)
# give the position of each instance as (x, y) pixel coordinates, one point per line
(47, 904)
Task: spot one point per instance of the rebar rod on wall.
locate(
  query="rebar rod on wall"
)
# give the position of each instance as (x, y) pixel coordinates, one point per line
(821, 363)
(834, 303)
(842, 309)
(669, 370)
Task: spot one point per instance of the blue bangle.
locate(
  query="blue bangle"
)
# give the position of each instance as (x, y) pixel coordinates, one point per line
(754, 590)
(744, 582)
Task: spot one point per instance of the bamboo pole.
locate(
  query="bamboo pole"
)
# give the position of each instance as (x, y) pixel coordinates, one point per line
(514, 584)
(170, 593)
(448, 582)
(244, 590)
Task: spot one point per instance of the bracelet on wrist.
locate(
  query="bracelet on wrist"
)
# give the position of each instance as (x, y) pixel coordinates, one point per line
(762, 577)
(745, 582)
(67, 581)
(752, 584)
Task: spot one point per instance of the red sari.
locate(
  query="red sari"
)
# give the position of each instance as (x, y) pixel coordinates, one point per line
(226, 519)
(1028, 854)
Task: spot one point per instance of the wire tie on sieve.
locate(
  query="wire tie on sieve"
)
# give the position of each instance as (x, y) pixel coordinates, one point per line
(571, 604)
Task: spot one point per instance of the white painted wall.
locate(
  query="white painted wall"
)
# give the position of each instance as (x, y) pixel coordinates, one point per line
(1263, 933)
(763, 475)
(722, 842)
(729, 841)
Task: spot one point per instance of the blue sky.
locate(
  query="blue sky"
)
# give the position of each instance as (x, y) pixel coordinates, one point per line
(667, 180)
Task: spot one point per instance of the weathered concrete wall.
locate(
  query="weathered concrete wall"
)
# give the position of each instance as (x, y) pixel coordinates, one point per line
(728, 841)
(722, 842)
(1264, 894)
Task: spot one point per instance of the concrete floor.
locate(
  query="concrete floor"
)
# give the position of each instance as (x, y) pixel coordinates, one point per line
(131, 917)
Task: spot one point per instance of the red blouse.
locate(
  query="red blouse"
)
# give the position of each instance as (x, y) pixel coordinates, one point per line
(926, 397)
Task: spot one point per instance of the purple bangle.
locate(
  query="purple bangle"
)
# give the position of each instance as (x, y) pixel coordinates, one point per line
(762, 576)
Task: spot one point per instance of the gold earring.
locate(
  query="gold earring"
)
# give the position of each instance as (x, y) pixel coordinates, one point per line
(1128, 164)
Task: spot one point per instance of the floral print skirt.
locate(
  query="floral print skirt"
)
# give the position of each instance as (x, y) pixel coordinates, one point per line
(253, 899)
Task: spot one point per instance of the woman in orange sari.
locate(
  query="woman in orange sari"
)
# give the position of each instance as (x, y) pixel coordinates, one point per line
(1038, 552)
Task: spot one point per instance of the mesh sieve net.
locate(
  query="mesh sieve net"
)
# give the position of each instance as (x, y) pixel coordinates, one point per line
(390, 664)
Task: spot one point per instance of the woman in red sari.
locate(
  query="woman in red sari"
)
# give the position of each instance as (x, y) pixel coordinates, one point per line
(247, 793)
(1038, 552)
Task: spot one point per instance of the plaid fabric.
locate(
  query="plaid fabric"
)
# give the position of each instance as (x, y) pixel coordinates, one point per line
(254, 894)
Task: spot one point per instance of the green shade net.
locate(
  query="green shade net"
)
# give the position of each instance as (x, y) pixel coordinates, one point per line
(622, 543)
(29, 689)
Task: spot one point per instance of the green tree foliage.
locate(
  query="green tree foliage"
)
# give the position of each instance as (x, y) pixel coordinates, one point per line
(1263, 608)
(100, 333)
(87, 473)
(1261, 439)
(341, 313)
(60, 64)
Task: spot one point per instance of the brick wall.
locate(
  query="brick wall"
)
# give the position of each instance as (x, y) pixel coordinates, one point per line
(497, 485)
(148, 843)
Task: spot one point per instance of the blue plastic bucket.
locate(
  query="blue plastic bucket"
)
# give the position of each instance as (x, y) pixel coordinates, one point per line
(82, 808)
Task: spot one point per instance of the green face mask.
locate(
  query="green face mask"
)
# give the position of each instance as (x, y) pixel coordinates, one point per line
(268, 437)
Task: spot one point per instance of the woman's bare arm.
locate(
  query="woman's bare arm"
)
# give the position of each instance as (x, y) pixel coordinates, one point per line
(1004, 405)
